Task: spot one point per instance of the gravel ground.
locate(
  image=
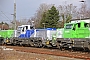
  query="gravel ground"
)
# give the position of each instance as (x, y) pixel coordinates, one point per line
(10, 54)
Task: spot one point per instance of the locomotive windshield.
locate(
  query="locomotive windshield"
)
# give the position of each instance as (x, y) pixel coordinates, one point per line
(31, 27)
(86, 25)
(19, 28)
(69, 26)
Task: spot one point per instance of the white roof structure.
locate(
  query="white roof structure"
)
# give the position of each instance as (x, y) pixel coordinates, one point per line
(78, 20)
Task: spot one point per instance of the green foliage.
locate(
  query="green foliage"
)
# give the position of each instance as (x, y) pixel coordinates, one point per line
(4, 23)
(50, 18)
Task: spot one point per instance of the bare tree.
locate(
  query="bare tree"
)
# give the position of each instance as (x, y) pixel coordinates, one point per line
(38, 16)
(18, 23)
(67, 12)
(12, 24)
(23, 21)
(84, 12)
(31, 21)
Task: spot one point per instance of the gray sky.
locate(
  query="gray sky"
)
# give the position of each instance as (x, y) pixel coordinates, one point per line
(27, 8)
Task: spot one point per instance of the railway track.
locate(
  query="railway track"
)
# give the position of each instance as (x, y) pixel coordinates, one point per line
(56, 52)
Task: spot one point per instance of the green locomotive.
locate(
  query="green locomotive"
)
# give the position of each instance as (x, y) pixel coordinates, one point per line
(76, 30)
(5, 35)
(75, 35)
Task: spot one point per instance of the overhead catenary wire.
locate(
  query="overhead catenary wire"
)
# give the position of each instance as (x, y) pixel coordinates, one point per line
(5, 15)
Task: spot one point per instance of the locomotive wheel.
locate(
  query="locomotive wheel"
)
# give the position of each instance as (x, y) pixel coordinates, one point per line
(31, 44)
(40, 44)
(86, 49)
(59, 46)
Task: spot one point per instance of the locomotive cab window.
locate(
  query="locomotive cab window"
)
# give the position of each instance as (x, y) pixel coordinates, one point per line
(31, 27)
(79, 25)
(69, 26)
(86, 24)
(23, 29)
(74, 28)
(19, 28)
(26, 27)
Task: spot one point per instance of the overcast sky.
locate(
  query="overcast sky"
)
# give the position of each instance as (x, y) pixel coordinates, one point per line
(27, 8)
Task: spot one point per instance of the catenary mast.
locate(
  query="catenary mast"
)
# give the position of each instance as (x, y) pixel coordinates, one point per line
(14, 14)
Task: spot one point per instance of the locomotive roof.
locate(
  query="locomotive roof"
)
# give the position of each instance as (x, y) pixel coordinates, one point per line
(87, 20)
(80, 19)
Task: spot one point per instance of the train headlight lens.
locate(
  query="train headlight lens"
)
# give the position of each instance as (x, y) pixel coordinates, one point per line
(47, 42)
(7, 40)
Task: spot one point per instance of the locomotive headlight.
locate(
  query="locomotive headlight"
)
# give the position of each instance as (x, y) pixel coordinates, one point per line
(7, 40)
(72, 41)
(47, 42)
